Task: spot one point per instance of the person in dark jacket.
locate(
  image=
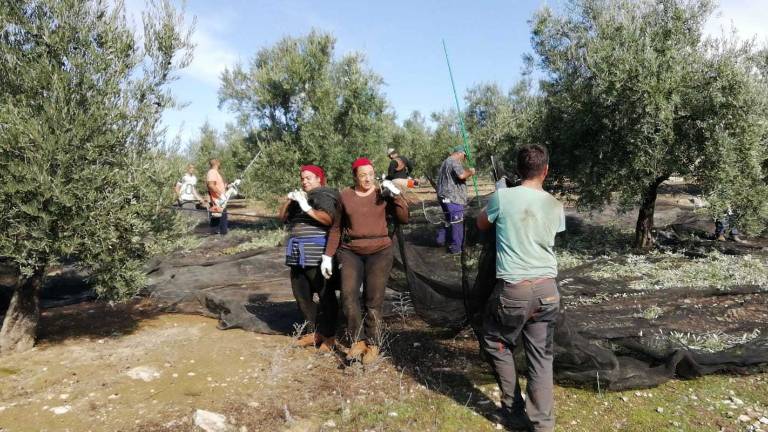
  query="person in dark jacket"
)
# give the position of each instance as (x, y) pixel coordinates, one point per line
(400, 172)
(400, 168)
(309, 214)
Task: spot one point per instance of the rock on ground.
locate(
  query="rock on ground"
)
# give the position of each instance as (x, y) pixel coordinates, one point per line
(211, 421)
(144, 373)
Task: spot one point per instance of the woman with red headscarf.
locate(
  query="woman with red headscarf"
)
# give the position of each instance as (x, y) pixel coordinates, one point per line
(309, 213)
(364, 248)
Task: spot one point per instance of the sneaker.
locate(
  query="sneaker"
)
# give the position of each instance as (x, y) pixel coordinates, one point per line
(309, 339)
(356, 350)
(720, 238)
(371, 354)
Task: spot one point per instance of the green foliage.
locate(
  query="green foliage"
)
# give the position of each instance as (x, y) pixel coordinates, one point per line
(298, 104)
(584, 244)
(227, 147)
(268, 235)
(84, 175)
(202, 149)
(419, 143)
(634, 94)
(670, 270)
(709, 342)
(733, 168)
(412, 140)
(652, 313)
(498, 123)
(235, 155)
(445, 136)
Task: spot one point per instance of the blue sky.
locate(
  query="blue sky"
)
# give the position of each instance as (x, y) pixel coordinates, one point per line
(400, 39)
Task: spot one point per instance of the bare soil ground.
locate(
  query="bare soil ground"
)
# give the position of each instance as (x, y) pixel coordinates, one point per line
(127, 367)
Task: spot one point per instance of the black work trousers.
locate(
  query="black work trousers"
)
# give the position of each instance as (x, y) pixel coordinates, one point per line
(220, 224)
(372, 271)
(305, 282)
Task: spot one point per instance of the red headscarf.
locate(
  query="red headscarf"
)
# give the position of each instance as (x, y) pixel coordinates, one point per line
(361, 161)
(316, 170)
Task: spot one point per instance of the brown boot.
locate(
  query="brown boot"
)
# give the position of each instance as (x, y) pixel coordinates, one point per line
(309, 340)
(356, 350)
(328, 344)
(371, 354)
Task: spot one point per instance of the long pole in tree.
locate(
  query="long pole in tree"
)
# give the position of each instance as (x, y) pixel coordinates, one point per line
(467, 150)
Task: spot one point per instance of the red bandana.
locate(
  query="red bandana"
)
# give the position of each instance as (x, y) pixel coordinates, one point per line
(316, 170)
(361, 161)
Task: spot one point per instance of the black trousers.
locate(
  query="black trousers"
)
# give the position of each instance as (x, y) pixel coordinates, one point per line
(221, 224)
(322, 316)
(372, 271)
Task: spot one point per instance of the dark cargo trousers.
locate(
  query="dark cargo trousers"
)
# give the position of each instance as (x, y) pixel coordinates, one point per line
(530, 309)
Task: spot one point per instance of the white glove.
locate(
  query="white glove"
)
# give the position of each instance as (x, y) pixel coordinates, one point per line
(326, 266)
(387, 184)
(301, 198)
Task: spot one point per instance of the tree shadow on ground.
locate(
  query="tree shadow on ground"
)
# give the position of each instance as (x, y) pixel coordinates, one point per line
(97, 319)
(444, 360)
(680, 188)
(685, 235)
(259, 223)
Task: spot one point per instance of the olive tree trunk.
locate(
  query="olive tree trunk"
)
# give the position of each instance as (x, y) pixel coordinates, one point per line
(19, 329)
(643, 229)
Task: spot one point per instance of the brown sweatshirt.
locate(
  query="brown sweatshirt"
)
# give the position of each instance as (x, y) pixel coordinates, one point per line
(362, 227)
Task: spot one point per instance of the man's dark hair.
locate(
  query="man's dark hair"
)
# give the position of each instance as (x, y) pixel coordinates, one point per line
(531, 160)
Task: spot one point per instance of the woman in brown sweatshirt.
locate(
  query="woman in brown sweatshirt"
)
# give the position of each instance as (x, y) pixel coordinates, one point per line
(360, 240)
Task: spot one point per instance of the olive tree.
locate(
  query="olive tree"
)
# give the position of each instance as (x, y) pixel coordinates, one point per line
(81, 157)
(634, 93)
(445, 136)
(414, 140)
(499, 122)
(297, 103)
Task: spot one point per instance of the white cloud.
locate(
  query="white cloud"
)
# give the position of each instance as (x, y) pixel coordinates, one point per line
(747, 17)
(212, 55)
(200, 80)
